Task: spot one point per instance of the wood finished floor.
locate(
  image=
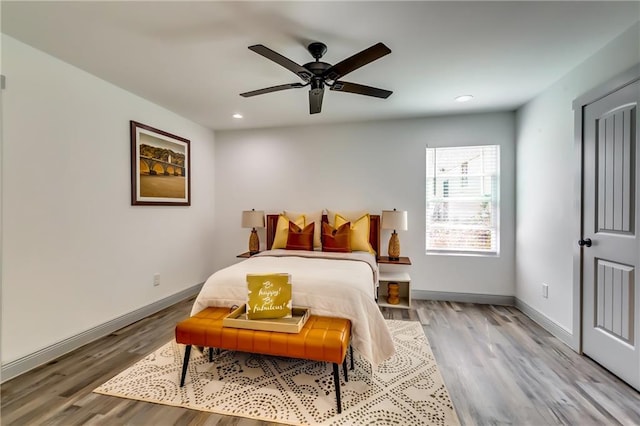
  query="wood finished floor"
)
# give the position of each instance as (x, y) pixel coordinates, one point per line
(499, 366)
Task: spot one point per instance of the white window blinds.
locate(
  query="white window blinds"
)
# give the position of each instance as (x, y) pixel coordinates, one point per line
(462, 199)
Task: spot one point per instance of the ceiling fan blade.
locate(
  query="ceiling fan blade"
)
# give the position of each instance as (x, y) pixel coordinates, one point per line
(344, 86)
(356, 61)
(272, 89)
(295, 68)
(315, 100)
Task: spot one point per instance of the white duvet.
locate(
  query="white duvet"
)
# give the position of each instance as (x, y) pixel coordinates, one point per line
(330, 284)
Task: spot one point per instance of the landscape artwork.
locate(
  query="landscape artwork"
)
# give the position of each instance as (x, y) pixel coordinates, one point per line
(160, 167)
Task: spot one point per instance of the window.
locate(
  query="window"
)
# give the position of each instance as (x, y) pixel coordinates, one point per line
(462, 199)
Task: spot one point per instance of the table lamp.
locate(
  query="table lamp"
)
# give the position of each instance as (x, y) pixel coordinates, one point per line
(394, 219)
(253, 219)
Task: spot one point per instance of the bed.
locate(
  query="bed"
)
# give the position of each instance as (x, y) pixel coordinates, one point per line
(330, 284)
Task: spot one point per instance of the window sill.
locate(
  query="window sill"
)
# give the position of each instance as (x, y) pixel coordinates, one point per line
(462, 253)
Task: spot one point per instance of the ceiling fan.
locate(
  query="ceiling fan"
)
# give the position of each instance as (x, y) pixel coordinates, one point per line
(319, 74)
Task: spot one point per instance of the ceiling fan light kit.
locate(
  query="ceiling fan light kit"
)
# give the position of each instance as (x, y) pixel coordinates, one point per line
(318, 74)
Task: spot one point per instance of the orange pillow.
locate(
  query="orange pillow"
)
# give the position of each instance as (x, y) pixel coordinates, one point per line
(300, 239)
(336, 240)
(315, 216)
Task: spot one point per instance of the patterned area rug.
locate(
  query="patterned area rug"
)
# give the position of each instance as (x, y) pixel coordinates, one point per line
(405, 390)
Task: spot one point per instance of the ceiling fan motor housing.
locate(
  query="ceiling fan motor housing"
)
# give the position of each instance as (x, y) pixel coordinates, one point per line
(317, 68)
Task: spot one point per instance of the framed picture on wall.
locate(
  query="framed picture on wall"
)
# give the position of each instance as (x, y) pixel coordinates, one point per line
(160, 167)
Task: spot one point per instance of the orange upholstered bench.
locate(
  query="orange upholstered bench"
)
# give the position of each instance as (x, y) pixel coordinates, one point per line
(323, 339)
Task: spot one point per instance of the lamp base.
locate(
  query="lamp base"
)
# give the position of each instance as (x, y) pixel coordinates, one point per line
(254, 242)
(394, 247)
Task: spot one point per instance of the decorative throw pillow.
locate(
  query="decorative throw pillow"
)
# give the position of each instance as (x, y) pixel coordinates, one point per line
(308, 218)
(282, 231)
(299, 238)
(338, 239)
(359, 233)
(349, 215)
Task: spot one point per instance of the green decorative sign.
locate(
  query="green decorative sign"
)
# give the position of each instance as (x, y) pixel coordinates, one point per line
(269, 296)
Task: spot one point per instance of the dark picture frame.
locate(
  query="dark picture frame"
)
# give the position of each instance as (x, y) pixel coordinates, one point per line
(160, 167)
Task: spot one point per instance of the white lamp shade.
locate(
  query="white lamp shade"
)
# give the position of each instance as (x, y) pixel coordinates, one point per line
(253, 219)
(394, 219)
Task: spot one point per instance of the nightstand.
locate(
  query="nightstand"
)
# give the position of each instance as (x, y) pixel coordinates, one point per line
(247, 254)
(401, 278)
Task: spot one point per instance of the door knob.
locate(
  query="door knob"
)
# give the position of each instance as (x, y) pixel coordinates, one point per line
(585, 242)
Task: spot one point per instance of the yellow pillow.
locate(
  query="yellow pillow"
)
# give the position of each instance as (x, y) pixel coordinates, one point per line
(282, 231)
(350, 215)
(359, 233)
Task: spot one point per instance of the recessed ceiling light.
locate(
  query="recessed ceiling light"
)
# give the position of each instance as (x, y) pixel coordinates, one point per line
(464, 98)
(236, 115)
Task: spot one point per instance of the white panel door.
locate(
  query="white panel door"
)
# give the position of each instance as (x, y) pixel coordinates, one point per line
(610, 250)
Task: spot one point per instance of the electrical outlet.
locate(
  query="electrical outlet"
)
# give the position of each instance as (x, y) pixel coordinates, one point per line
(156, 280)
(545, 290)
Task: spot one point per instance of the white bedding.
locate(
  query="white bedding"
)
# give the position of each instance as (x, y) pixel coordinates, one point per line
(330, 284)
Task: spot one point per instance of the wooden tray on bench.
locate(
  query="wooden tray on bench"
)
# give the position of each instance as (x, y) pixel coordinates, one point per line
(238, 319)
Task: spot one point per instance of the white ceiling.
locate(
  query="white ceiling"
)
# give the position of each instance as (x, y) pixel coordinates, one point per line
(192, 57)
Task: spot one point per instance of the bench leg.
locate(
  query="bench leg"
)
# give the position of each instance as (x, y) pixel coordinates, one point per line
(336, 380)
(351, 353)
(344, 368)
(187, 353)
(210, 354)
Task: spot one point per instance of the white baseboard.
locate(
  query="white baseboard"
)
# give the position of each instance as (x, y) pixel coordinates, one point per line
(484, 299)
(547, 323)
(22, 365)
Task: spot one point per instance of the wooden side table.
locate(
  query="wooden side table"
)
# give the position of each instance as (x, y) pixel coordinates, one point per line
(400, 261)
(402, 279)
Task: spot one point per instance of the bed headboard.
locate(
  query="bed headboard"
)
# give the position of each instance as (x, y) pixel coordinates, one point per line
(374, 230)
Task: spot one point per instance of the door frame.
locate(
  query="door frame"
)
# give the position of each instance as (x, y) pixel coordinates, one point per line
(625, 78)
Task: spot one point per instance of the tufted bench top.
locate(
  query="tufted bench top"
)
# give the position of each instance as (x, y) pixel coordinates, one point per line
(321, 339)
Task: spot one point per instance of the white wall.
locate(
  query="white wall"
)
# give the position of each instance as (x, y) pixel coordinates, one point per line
(546, 190)
(371, 166)
(75, 253)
